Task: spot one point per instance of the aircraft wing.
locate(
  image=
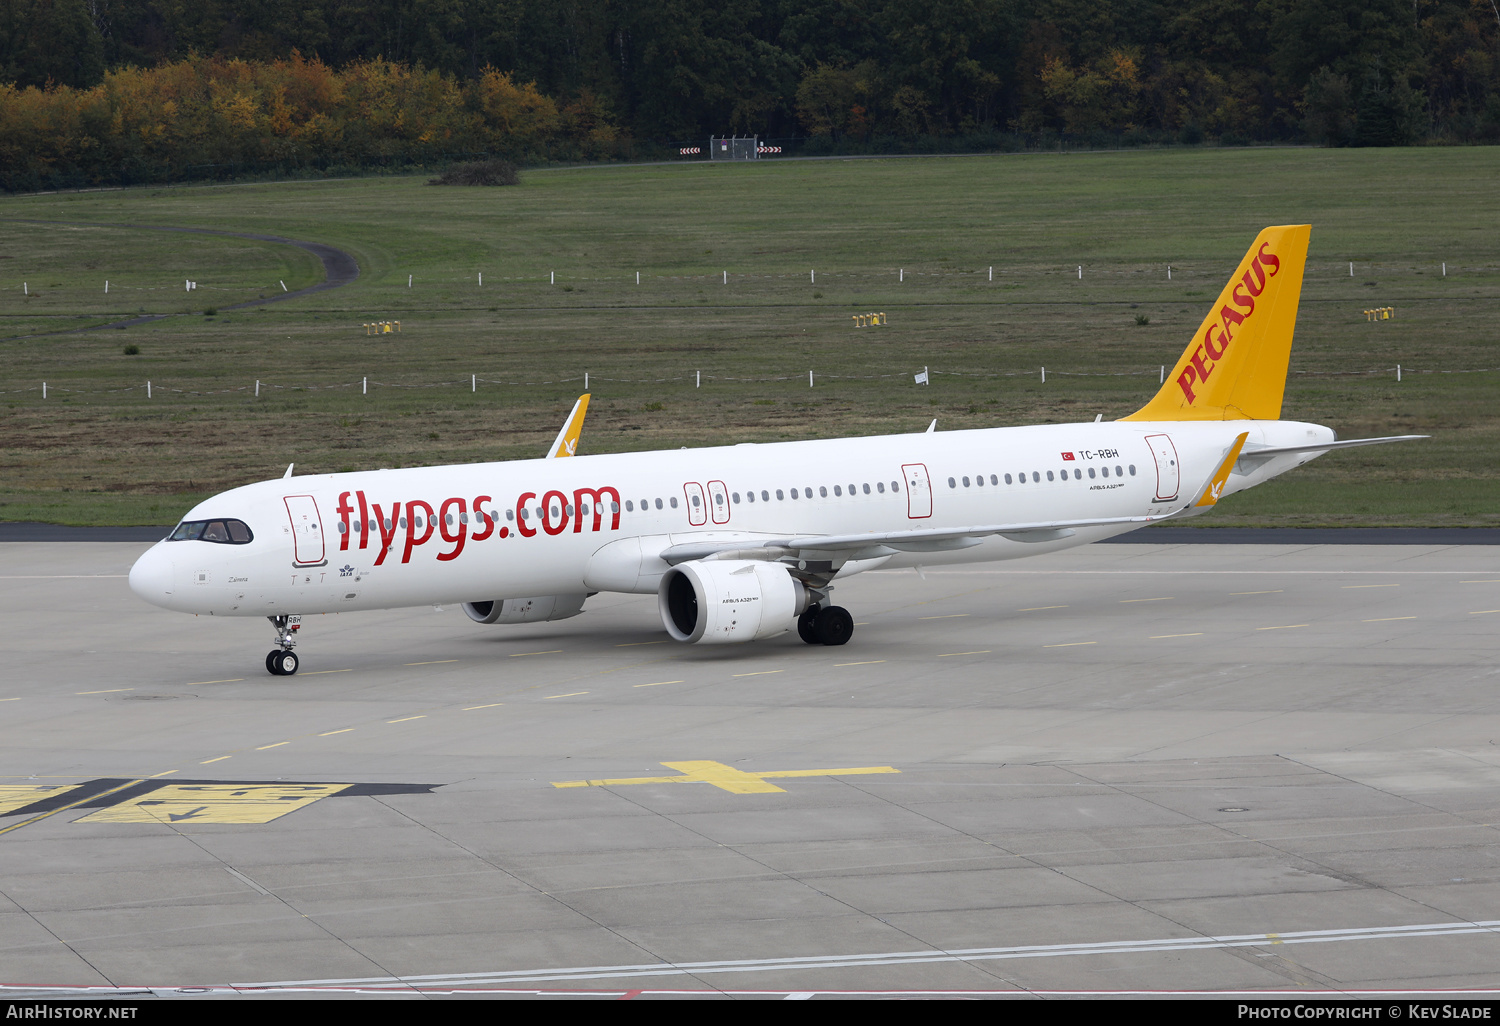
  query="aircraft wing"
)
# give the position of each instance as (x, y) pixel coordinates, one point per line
(885, 543)
(566, 442)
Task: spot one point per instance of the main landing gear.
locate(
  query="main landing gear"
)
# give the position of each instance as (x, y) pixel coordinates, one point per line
(825, 625)
(282, 661)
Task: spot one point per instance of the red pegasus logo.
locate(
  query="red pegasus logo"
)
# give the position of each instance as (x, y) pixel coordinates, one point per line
(1219, 336)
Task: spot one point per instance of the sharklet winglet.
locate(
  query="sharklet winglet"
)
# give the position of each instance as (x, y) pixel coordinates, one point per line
(566, 442)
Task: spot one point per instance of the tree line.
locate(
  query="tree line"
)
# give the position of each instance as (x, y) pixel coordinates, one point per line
(846, 74)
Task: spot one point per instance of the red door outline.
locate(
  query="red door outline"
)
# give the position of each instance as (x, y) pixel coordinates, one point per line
(918, 491)
(307, 530)
(718, 502)
(696, 510)
(1168, 473)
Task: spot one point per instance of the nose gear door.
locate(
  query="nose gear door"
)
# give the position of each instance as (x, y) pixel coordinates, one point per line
(307, 530)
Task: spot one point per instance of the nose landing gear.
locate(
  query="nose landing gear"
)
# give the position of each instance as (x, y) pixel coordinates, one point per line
(282, 661)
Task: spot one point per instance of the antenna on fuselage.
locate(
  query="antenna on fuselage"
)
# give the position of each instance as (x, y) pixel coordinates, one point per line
(288, 473)
(932, 427)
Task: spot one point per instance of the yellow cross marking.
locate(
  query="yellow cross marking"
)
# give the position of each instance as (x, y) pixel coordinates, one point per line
(725, 778)
(214, 803)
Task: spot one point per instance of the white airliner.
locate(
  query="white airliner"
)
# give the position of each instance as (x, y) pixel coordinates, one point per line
(743, 542)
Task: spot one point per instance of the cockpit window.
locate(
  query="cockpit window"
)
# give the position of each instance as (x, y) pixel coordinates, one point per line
(225, 532)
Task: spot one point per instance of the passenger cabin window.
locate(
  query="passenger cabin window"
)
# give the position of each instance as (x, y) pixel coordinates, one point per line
(224, 532)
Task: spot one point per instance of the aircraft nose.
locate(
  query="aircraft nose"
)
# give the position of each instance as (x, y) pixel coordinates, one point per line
(151, 576)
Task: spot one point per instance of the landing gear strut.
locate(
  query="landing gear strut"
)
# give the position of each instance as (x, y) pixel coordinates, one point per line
(825, 625)
(282, 661)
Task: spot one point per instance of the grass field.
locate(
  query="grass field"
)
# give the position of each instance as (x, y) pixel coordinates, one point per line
(912, 238)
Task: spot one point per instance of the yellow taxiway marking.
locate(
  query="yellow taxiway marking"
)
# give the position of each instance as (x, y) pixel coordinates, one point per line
(163, 773)
(9, 699)
(632, 644)
(757, 673)
(1476, 612)
(107, 691)
(1164, 598)
(492, 705)
(1273, 591)
(866, 662)
(221, 758)
(948, 616)
(1034, 609)
(226, 680)
(1490, 580)
(1283, 627)
(726, 778)
(1382, 619)
(431, 662)
(570, 694)
(278, 744)
(1195, 634)
(656, 683)
(333, 732)
(18, 796)
(982, 651)
(70, 805)
(314, 673)
(404, 719)
(1071, 644)
(1346, 587)
(214, 803)
(550, 651)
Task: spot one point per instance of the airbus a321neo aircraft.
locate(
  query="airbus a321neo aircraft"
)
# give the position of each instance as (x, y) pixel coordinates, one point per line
(742, 542)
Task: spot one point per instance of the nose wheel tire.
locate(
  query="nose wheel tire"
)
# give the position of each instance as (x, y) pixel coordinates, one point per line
(833, 626)
(282, 664)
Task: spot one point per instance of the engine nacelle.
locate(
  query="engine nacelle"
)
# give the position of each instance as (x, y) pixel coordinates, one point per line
(525, 610)
(714, 602)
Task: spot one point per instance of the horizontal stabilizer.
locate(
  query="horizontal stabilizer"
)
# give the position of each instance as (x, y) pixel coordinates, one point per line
(1251, 455)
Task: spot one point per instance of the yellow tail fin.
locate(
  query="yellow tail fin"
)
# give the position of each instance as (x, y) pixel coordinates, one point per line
(1235, 366)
